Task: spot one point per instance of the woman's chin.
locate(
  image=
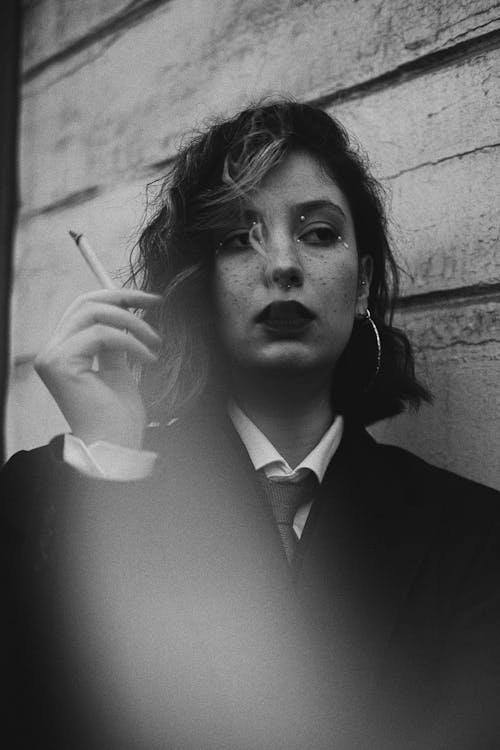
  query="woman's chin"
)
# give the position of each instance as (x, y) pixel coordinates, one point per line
(287, 358)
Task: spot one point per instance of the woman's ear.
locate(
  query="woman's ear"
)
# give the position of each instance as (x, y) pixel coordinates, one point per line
(364, 280)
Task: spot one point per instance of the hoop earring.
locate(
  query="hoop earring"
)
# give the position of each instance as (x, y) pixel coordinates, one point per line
(367, 318)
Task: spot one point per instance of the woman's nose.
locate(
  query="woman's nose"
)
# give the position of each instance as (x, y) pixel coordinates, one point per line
(287, 277)
(283, 267)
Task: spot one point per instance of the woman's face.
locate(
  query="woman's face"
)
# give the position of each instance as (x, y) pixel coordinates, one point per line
(289, 302)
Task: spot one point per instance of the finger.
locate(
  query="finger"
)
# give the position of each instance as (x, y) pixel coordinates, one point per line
(100, 313)
(86, 344)
(110, 361)
(125, 298)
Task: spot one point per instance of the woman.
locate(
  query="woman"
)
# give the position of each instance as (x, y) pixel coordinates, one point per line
(254, 570)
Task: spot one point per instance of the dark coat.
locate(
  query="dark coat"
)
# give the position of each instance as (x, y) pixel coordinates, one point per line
(166, 612)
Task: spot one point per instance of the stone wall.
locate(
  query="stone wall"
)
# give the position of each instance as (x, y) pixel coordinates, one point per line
(110, 87)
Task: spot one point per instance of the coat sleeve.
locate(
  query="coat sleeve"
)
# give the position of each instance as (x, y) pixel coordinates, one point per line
(23, 507)
(472, 652)
(43, 502)
(467, 578)
(29, 484)
(37, 489)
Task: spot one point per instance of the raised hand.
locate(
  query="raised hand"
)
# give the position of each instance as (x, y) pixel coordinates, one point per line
(102, 403)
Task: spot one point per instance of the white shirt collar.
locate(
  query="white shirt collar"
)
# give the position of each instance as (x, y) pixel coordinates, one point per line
(264, 455)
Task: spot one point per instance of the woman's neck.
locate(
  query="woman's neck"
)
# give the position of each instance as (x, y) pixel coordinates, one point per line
(292, 414)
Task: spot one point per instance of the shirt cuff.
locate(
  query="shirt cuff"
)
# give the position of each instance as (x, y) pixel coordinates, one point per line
(102, 460)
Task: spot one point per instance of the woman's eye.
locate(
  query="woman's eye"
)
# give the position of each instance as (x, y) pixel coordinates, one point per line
(236, 241)
(321, 235)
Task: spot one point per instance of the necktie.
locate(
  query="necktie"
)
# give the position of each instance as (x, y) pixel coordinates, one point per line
(286, 498)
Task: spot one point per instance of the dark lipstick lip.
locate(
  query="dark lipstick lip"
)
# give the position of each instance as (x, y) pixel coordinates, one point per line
(285, 313)
(286, 328)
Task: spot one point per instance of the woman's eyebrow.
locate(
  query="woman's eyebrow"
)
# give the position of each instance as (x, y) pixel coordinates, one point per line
(315, 205)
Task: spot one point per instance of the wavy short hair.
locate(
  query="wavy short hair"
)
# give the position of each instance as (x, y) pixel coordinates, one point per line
(175, 252)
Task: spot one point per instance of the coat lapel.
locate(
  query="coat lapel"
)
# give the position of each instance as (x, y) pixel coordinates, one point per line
(362, 549)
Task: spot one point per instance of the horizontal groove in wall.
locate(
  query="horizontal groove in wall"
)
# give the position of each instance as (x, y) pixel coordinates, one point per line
(413, 68)
(76, 198)
(155, 172)
(406, 71)
(461, 296)
(82, 196)
(69, 200)
(22, 360)
(131, 15)
(449, 157)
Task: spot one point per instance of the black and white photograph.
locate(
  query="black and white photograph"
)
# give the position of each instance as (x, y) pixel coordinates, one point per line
(250, 374)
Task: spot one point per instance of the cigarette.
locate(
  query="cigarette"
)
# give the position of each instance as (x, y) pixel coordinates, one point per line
(93, 261)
